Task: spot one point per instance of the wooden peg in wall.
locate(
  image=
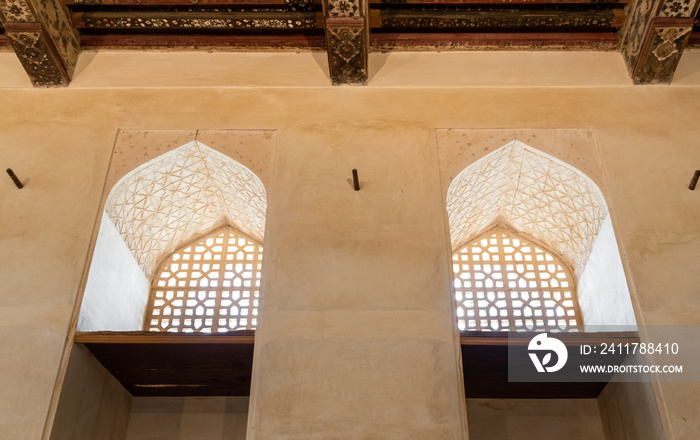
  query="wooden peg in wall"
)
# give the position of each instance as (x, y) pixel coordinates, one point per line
(14, 178)
(694, 180)
(355, 180)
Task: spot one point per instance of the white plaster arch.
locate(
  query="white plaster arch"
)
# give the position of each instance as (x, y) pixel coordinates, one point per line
(153, 210)
(182, 194)
(534, 193)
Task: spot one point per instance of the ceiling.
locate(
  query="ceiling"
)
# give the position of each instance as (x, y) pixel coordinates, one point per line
(394, 24)
(650, 34)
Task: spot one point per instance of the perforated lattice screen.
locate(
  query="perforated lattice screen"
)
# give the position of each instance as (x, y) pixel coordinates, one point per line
(505, 283)
(209, 286)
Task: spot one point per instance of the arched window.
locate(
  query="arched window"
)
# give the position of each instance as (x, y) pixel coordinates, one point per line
(174, 202)
(548, 275)
(211, 285)
(504, 282)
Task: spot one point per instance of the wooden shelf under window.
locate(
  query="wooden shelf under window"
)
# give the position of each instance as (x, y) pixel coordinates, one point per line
(485, 365)
(171, 364)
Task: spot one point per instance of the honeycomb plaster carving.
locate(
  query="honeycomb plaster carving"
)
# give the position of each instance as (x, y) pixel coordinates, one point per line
(182, 194)
(535, 194)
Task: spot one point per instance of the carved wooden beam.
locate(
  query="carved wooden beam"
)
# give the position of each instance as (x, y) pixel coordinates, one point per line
(306, 3)
(654, 37)
(168, 41)
(223, 3)
(493, 40)
(43, 38)
(347, 40)
(489, 18)
(278, 20)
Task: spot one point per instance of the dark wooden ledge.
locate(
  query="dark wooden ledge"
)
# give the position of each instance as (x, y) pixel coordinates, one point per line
(172, 364)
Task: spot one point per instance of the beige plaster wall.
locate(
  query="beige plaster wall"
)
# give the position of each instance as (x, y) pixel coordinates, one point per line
(388, 309)
(188, 418)
(356, 335)
(628, 411)
(534, 419)
(93, 404)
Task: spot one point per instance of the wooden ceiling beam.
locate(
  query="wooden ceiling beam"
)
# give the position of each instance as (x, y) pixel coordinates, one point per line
(470, 20)
(190, 3)
(378, 41)
(198, 20)
(41, 34)
(494, 40)
(307, 3)
(199, 41)
(654, 37)
(347, 40)
(501, 3)
(512, 2)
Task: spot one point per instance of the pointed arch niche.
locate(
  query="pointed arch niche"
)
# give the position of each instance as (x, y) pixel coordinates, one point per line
(517, 192)
(165, 191)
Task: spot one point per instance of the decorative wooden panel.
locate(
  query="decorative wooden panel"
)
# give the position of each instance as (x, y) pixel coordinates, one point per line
(347, 40)
(655, 36)
(43, 38)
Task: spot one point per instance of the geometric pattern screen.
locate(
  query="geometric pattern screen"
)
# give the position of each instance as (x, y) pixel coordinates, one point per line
(506, 283)
(211, 285)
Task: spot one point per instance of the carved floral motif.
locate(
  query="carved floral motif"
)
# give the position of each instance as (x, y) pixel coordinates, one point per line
(344, 8)
(16, 10)
(667, 47)
(677, 8)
